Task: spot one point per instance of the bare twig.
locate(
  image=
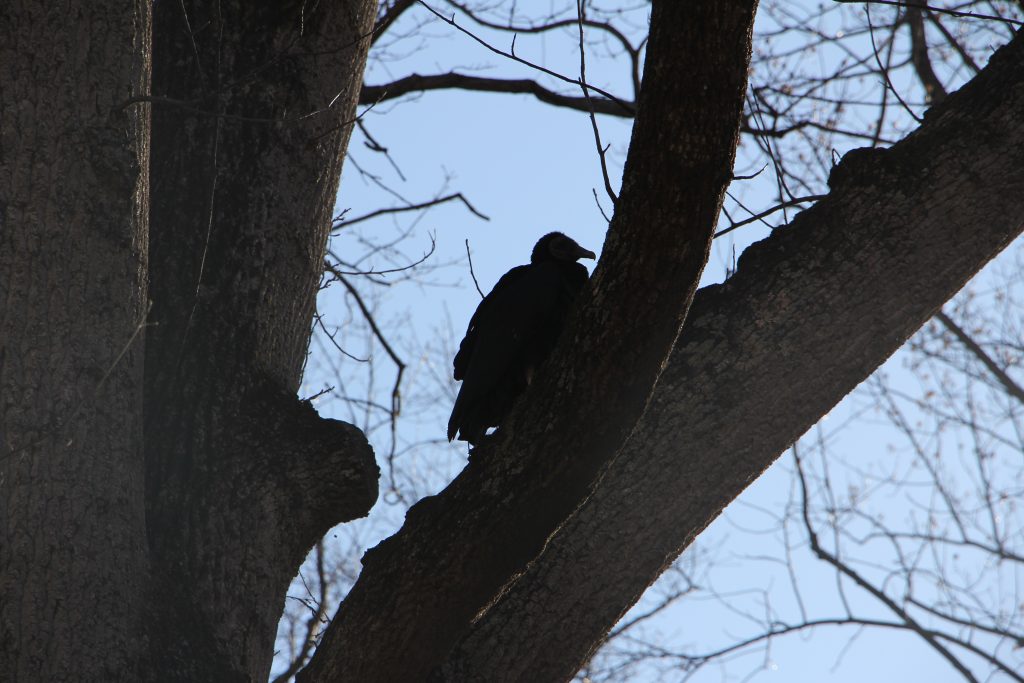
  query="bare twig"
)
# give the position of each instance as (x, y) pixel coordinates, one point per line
(941, 10)
(471, 273)
(767, 212)
(334, 270)
(389, 16)
(317, 619)
(885, 71)
(926, 634)
(372, 144)
(601, 149)
(511, 55)
(954, 43)
(412, 207)
(620, 37)
(319, 321)
(1011, 387)
(396, 397)
(599, 207)
(752, 175)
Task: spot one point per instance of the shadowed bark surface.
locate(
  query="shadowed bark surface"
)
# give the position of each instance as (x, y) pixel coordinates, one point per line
(255, 105)
(73, 193)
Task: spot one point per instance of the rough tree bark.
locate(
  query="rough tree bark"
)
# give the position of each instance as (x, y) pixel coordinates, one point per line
(253, 109)
(73, 228)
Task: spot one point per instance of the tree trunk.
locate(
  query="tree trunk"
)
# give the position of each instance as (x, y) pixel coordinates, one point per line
(254, 105)
(73, 193)
(153, 520)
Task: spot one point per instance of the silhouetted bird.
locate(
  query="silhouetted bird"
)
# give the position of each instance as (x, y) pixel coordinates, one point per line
(512, 332)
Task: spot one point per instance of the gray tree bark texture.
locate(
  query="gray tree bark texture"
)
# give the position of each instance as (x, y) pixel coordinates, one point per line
(159, 481)
(253, 109)
(73, 230)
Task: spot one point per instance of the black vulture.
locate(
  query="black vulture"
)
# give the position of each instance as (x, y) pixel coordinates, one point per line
(512, 332)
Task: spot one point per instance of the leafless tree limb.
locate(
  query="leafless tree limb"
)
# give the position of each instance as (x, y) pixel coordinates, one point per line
(346, 223)
(1012, 388)
(416, 83)
(476, 284)
(905, 618)
(511, 54)
(601, 149)
(941, 10)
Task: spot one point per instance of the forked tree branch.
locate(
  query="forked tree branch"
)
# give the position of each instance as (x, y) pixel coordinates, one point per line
(811, 311)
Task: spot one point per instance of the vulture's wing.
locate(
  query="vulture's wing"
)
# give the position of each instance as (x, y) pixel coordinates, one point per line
(513, 329)
(461, 362)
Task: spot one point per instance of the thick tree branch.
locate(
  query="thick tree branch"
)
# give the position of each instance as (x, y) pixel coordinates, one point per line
(416, 83)
(420, 590)
(811, 311)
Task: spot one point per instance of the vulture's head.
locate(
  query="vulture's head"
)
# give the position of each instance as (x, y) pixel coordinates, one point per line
(555, 246)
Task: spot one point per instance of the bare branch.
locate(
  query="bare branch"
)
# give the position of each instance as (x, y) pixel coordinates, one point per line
(620, 37)
(372, 144)
(390, 15)
(471, 273)
(927, 635)
(941, 10)
(513, 56)
(417, 83)
(316, 620)
(884, 70)
(767, 212)
(346, 223)
(601, 149)
(933, 88)
(1012, 388)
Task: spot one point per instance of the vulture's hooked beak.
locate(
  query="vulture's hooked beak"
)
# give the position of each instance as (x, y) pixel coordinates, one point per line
(585, 253)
